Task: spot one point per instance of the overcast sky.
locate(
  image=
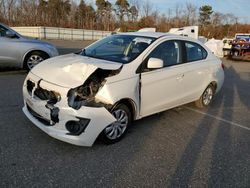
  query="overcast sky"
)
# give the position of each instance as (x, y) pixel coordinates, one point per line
(240, 8)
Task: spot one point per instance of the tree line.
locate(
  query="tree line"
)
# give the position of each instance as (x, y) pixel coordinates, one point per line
(128, 15)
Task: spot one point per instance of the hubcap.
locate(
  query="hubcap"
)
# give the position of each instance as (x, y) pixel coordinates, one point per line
(207, 96)
(116, 129)
(34, 60)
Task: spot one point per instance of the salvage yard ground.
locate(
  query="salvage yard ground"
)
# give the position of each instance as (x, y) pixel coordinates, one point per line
(176, 148)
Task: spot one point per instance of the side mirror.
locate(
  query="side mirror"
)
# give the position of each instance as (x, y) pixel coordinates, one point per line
(10, 34)
(155, 63)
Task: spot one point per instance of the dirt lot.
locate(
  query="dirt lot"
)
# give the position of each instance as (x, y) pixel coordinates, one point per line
(181, 147)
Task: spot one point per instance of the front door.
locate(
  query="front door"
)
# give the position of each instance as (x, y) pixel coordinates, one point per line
(161, 88)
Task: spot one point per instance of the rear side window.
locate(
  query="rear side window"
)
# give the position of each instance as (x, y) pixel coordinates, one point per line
(195, 52)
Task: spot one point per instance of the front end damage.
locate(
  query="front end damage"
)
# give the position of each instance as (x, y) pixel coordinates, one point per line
(84, 95)
(73, 115)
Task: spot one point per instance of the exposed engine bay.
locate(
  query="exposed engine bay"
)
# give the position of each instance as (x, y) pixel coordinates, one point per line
(84, 95)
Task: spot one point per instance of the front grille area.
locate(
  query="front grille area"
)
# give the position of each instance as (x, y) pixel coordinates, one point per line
(38, 117)
(41, 93)
(30, 86)
(44, 94)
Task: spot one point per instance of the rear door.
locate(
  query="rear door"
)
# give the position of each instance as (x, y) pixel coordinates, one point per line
(196, 71)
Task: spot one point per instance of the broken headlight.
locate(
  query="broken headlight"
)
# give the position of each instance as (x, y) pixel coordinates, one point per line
(84, 95)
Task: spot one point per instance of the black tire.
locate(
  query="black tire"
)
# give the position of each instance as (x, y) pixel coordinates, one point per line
(206, 97)
(41, 56)
(106, 133)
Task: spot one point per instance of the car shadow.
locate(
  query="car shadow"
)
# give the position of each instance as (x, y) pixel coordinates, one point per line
(230, 155)
(224, 162)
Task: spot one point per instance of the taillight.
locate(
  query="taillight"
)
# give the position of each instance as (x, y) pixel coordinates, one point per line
(222, 66)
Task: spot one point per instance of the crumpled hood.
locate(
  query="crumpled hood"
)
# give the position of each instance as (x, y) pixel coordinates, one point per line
(71, 70)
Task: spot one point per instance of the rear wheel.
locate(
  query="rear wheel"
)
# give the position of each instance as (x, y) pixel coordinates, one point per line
(34, 58)
(116, 131)
(206, 97)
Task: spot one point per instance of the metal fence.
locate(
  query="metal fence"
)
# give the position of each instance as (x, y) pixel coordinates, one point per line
(61, 33)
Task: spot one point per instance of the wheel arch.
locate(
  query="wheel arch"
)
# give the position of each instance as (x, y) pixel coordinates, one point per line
(26, 55)
(130, 104)
(214, 84)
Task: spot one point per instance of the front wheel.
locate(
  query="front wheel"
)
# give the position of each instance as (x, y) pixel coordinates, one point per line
(34, 58)
(206, 97)
(116, 131)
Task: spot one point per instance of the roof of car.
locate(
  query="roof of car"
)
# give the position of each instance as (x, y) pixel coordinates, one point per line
(148, 34)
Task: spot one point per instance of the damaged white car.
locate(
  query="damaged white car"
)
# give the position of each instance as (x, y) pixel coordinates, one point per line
(99, 91)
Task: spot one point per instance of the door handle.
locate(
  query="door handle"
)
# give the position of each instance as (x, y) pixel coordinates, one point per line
(180, 77)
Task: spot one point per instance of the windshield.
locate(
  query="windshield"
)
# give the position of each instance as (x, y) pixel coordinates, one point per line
(118, 48)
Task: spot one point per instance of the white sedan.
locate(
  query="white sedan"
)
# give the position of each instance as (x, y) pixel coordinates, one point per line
(99, 91)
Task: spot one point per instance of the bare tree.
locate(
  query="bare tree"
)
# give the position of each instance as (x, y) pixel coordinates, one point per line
(191, 16)
(133, 14)
(178, 15)
(104, 14)
(147, 8)
(2, 11)
(136, 4)
(217, 19)
(8, 9)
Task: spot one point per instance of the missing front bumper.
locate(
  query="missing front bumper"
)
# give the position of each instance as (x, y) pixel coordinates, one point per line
(99, 119)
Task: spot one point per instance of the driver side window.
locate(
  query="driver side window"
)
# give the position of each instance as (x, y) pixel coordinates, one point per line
(168, 52)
